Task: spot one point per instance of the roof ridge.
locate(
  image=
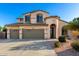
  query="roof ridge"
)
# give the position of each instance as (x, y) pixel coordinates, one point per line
(35, 11)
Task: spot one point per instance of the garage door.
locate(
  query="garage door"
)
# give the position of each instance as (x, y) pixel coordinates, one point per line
(33, 34)
(14, 34)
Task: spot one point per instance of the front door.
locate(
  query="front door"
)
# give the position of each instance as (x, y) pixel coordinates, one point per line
(52, 31)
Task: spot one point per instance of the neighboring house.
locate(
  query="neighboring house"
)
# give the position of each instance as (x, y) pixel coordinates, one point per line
(36, 25)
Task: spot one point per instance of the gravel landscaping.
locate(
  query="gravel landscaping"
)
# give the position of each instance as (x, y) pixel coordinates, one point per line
(66, 50)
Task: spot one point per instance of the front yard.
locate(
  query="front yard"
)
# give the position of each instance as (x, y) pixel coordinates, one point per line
(36, 48)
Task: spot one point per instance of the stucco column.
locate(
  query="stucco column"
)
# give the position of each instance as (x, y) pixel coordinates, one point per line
(57, 34)
(24, 20)
(8, 33)
(20, 33)
(46, 33)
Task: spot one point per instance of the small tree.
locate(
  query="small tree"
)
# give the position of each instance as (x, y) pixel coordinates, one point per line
(0, 28)
(73, 25)
(4, 28)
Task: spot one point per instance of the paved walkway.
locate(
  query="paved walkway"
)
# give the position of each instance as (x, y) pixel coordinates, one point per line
(27, 48)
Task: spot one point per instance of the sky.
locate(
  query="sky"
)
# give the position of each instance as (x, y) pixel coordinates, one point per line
(10, 11)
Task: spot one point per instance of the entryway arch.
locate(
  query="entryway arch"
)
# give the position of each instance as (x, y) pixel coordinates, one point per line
(52, 31)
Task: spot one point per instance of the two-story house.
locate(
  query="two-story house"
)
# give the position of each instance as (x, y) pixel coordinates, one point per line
(36, 25)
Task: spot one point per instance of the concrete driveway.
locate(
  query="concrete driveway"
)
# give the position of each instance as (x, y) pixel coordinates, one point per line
(27, 48)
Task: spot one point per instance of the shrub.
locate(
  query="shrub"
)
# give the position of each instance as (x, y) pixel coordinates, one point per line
(62, 39)
(75, 45)
(57, 44)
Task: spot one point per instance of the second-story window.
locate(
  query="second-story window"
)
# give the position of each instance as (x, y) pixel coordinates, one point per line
(39, 18)
(27, 19)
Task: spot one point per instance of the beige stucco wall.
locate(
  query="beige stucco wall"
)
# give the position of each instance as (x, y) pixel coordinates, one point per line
(59, 24)
(33, 16)
(27, 27)
(50, 21)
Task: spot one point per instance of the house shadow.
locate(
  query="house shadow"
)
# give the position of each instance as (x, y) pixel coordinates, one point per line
(68, 52)
(46, 45)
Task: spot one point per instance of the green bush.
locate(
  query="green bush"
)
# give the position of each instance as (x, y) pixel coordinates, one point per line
(75, 45)
(62, 39)
(57, 44)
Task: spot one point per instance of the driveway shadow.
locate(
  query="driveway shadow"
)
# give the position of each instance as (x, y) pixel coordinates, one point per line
(46, 45)
(68, 52)
(17, 40)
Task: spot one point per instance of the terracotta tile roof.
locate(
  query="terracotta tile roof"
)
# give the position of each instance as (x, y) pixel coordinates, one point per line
(56, 17)
(22, 15)
(52, 17)
(25, 24)
(35, 11)
(63, 21)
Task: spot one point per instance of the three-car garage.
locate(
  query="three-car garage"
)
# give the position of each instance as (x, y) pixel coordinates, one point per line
(27, 31)
(27, 34)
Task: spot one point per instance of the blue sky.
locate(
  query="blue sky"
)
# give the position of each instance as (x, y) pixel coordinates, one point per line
(10, 11)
